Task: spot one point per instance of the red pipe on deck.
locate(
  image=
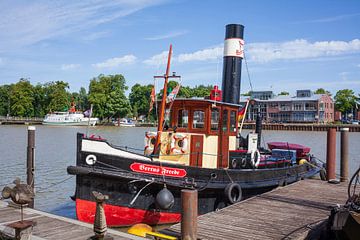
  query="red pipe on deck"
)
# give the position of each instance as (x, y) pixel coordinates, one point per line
(331, 154)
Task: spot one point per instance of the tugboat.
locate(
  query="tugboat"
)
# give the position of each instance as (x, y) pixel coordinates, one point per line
(195, 147)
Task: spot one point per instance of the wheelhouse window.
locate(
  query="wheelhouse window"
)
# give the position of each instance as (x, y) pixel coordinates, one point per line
(215, 119)
(225, 121)
(233, 121)
(183, 118)
(198, 119)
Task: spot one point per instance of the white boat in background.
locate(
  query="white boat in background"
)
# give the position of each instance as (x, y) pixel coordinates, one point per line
(69, 119)
(123, 122)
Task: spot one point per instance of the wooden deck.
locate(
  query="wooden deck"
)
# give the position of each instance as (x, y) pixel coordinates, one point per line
(284, 213)
(50, 226)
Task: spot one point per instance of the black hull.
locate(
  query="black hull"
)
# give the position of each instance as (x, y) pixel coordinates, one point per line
(115, 176)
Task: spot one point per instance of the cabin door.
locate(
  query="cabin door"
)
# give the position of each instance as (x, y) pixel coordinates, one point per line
(223, 150)
(196, 150)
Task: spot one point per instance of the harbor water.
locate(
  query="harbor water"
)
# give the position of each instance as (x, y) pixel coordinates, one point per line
(56, 149)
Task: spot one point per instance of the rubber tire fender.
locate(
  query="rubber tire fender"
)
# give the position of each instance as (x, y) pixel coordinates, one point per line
(233, 193)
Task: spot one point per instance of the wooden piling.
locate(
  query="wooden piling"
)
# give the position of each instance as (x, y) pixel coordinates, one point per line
(189, 213)
(344, 155)
(331, 154)
(30, 166)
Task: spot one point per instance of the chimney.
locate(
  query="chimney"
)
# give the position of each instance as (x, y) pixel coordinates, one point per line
(233, 55)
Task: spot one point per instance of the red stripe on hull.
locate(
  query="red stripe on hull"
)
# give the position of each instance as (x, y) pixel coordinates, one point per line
(123, 216)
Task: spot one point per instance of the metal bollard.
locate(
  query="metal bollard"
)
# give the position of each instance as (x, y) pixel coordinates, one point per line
(344, 155)
(30, 162)
(189, 213)
(331, 154)
(100, 226)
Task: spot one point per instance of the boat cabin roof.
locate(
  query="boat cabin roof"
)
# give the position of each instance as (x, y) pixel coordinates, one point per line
(203, 116)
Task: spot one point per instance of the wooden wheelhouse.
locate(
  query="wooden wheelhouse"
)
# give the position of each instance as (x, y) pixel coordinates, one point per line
(200, 133)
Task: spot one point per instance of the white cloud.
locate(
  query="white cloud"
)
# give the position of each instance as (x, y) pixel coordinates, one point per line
(331, 19)
(168, 35)
(202, 55)
(157, 60)
(26, 23)
(71, 66)
(300, 49)
(116, 62)
(96, 35)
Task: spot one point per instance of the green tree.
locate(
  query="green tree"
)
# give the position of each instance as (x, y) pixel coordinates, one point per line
(322, 91)
(40, 104)
(56, 96)
(22, 98)
(107, 93)
(202, 90)
(185, 92)
(345, 100)
(140, 99)
(83, 102)
(248, 94)
(283, 93)
(5, 99)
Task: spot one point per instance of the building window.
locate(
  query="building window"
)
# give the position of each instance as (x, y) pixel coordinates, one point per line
(310, 106)
(274, 105)
(298, 106)
(233, 121)
(183, 118)
(225, 121)
(284, 107)
(215, 119)
(199, 119)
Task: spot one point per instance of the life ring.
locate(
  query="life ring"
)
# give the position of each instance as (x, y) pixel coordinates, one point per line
(233, 193)
(179, 143)
(255, 158)
(150, 138)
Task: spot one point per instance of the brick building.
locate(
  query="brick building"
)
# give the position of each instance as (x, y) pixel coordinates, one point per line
(304, 107)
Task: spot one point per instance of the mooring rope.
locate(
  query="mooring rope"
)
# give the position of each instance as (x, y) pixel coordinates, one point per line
(42, 190)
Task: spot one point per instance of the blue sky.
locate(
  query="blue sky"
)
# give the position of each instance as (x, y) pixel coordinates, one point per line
(289, 44)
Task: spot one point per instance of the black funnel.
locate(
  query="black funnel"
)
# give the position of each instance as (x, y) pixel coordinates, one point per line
(233, 55)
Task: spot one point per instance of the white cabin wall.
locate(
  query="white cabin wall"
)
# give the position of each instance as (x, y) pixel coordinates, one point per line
(210, 151)
(232, 143)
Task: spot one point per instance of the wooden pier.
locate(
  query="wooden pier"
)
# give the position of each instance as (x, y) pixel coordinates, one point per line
(284, 213)
(49, 226)
(20, 120)
(303, 126)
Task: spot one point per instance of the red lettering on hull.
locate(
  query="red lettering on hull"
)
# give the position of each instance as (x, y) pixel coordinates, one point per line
(157, 170)
(117, 216)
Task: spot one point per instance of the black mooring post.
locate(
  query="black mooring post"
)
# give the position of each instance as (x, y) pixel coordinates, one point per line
(258, 127)
(30, 163)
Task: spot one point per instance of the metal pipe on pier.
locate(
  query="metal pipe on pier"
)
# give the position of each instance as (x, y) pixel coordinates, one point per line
(30, 162)
(344, 155)
(189, 213)
(331, 154)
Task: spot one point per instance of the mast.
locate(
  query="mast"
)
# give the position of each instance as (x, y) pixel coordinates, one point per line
(163, 104)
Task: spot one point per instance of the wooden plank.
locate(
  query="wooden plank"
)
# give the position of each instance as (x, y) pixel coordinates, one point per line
(283, 213)
(49, 226)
